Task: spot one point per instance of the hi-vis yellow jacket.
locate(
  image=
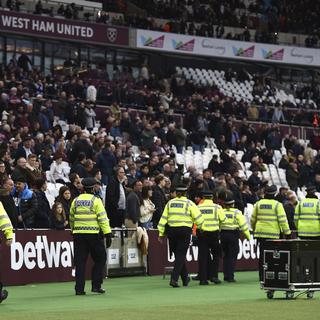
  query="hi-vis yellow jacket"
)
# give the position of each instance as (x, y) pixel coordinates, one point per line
(180, 212)
(5, 223)
(213, 215)
(269, 219)
(235, 221)
(307, 217)
(88, 215)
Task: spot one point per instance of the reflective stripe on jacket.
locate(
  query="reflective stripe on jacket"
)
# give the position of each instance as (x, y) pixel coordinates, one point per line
(88, 215)
(307, 217)
(5, 223)
(213, 215)
(269, 219)
(180, 212)
(235, 221)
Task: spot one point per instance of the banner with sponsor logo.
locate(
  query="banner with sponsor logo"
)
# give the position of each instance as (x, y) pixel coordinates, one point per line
(159, 256)
(37, 256)
(232, 49)
(61, 29)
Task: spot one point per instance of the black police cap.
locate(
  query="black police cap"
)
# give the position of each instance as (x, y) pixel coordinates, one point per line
(271, 189)
(89, 182)
(207, 193)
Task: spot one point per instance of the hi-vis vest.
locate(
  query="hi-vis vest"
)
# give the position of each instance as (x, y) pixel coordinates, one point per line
(180, 212)
(307, 217)
(87, 215)
(269, 219)
(5, 223)
(212, 214)
(235, 221)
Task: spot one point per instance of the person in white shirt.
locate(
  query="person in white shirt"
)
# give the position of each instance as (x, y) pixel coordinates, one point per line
(147, 208)
(58, 171)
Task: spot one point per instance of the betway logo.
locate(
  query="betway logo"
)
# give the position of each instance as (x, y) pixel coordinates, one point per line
(41, 254)
(248, 249)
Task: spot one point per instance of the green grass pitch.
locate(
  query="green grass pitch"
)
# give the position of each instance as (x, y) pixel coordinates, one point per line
(138, 298)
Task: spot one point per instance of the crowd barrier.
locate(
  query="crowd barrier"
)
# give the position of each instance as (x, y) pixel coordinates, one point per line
(38, 256)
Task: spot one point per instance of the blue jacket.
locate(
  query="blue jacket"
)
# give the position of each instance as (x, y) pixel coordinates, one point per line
(27, 205)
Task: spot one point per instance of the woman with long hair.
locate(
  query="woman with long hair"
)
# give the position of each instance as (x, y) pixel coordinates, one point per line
(64, 198)
(59, 219)
(147, 208)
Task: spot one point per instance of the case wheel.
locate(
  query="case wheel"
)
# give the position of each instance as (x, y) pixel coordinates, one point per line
(270, 294)
(289, 295)
(310, 294)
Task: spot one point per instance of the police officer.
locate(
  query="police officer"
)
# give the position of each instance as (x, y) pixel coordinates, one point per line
(307, 216)
(176, 222)
(208, 238)
(7, 229)
(268, 220)
(88, 220)
(230, 233)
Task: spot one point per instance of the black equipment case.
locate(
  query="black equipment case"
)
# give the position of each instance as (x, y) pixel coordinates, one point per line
(291, 266)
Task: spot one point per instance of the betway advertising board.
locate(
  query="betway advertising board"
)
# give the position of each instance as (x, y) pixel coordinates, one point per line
(251, 51)
(37, 256)
(62, 29)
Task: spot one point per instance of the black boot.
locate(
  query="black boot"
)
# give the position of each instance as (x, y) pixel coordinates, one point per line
(3, 295)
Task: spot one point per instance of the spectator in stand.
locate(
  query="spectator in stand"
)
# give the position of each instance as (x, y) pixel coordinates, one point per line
(25, 149)
(116, 199)
(147, 208)
(289, 207)
(292, 176)
(7, 200)
(75, 185)
(78, 166)
(58, 172)
(132, 216)
(26, 203)
(106, 162)
(90, 117)
(158, 198)
(42, 219)
(58, 217)
(64, 198)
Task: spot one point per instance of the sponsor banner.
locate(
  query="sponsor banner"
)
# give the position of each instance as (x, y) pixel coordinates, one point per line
(61, 29)
(227, 48)
(37, 256)
(159, 256)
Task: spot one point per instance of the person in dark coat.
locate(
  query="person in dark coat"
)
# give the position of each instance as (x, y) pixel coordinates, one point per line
(64, 198)
(106, 162)
(75, 185)
(58, 218)
(81, 145)
(133, 205)
(26, 203)
(8, 202)
(292, 176)
(289, 207)
(116, 199)
(159, 199)
(24, 149)
(43, 214)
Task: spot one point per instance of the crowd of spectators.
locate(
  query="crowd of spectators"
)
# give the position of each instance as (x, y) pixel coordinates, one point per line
(133, 153)
(206, 18)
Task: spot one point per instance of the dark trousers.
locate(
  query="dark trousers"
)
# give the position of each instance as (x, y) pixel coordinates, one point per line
(179, 240)
(116, 218)
(208, 244)
(309, 238)
(230, 248)
(83, 245)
